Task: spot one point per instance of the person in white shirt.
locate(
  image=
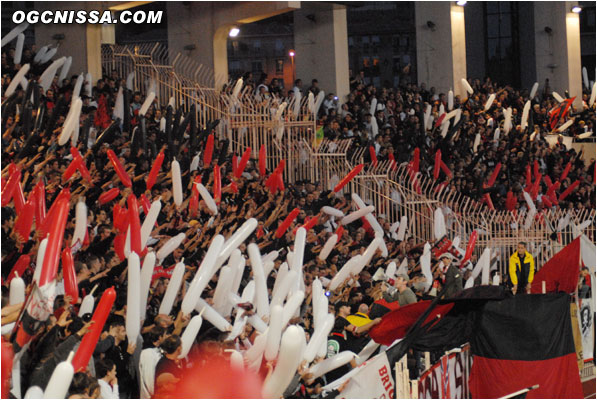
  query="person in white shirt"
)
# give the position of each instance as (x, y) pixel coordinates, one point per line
(148, 360)
(106, 373)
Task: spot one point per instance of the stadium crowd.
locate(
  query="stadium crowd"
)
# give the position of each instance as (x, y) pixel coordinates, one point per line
(399, 114)
(32, 123)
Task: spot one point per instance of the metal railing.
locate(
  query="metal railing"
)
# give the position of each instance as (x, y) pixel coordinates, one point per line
(245, 121)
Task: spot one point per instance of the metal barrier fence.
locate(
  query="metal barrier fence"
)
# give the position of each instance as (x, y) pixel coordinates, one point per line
(289, 132)
(246, 122)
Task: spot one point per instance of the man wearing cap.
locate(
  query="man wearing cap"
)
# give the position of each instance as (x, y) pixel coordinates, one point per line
(403, 294)
(451, 275)
(522, 269)
(343, 332)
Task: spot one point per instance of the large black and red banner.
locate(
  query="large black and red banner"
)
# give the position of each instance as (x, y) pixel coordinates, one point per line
(523, 341)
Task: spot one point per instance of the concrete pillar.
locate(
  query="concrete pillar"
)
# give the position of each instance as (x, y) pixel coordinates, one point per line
(558, 52)
(441, 48)
(204, 27)
(82, 42)
(321, 45)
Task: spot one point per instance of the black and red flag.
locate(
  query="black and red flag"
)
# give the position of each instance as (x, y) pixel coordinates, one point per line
(524, 341)
(516, 341)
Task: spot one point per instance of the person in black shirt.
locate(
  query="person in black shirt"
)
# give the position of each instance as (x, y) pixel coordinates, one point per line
(120, 353)
(169, 369)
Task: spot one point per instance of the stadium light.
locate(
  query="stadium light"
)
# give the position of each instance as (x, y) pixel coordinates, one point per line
(291, 53)
(576, 9)
(234, 32)
(461, 3)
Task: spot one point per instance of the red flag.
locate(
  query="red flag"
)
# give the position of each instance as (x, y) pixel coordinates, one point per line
(395, 324)
(561, 272)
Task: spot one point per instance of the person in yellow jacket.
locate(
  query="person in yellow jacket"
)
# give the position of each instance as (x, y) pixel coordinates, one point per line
(522, 269)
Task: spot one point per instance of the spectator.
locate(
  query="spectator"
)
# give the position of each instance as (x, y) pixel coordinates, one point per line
(403, 294)
(522, 270)
(106, 372)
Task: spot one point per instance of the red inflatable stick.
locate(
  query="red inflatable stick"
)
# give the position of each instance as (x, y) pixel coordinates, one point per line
(208, 151)
(119, 243)
(440, 120)
(311, 223)
(415, 161)
(243, 162)
(436, 167)
(546, 201)
(355, 171)
(144, 203)
(194, 202)
(510, 201)
(280, 182)
(528, 179)
(217, 185)
(548, 181)
(120, 171)
(445, 168)
(488, 201)
(109, 195)
(155, 170)
(262, 160)
(372, 155)
(494, 175)
(234, 164)
(280, 168)
(70, 276)
(287, 222)
(120, 218)
(535, 187)
(566, 171)
(40, 204)
(393, 161)
(233, 187)
(72, 168)
(56, 229)
(470, 247)
(89, 341)
(45, 228)
(10, 187)
(569, 190)
(535, 169)
(19, 268)
(19, 198)
(82, 167)
(134, 224)
(340, 231)
(24, 220)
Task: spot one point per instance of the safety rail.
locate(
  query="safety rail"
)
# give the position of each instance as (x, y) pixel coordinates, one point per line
(244, 121)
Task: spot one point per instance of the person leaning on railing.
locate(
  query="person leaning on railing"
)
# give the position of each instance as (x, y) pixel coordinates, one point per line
(522, 269)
